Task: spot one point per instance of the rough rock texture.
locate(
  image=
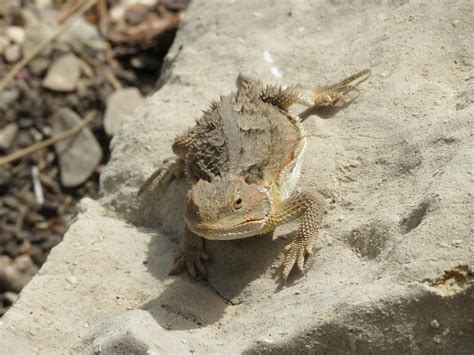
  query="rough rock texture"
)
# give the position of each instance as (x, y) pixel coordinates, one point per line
(397, 164)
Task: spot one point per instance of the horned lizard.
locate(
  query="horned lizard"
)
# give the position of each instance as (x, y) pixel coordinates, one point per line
(243, 159)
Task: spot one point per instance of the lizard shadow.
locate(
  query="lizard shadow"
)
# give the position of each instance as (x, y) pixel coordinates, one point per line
(184, 303)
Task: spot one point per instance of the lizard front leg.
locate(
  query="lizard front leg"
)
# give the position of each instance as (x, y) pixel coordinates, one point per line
(310, 209)
(171, 167)
(191, 256)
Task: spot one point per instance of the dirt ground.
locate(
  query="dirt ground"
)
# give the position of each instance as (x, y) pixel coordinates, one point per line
(32, 221)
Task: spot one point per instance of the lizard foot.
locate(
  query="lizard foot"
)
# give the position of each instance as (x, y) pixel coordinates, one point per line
(295, 255)
(192, 260)
(330, 95)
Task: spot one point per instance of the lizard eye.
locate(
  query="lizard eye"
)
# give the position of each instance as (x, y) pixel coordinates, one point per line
(238, 203)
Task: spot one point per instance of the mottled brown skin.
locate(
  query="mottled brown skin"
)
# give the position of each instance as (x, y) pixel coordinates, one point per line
(242, 160)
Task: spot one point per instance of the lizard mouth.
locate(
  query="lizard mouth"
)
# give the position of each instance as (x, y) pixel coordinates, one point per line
(245, 229)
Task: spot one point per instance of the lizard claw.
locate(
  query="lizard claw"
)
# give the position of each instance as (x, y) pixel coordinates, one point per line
(192, 260)
(295, 256)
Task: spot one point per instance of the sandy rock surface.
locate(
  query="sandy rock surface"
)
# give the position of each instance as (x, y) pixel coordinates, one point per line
(395, 167)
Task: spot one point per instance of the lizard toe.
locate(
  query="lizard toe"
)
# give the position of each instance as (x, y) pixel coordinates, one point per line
(192, 261)
(295, 257)
(179, 264)
(300, 260)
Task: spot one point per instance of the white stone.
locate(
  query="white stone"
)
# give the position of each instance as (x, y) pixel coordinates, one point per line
(12, 53)
(119, 105)
(16, 34)
(64, 74)
(7, 135)
(72, 280)
(42, 4)
(80, 155)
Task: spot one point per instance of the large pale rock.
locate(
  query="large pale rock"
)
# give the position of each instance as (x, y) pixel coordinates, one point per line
(397, 163)
(64, 74)
(79, 155)
(7, 135)
(119, 105)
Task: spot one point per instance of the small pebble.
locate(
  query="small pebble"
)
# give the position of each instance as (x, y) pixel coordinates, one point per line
(434, 324)
(385, 73)
(63, 75)
(265, 341)
(72, 280)
(12, 53)
(16, 34)
(4, 42)
(7, 135)
(119, 105)
(10, 297)
(7, 98)
(42, 4)
(437, 339)
(268, 57)
(277, 73)
(39, 66)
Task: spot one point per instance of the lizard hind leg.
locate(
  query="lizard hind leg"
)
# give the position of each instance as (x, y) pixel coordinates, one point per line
(171, 168)
(329, 96)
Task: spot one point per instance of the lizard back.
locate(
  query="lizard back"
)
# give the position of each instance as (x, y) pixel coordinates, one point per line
(241, 135)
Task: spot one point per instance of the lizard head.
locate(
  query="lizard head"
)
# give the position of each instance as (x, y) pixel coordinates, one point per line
(227, 209)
